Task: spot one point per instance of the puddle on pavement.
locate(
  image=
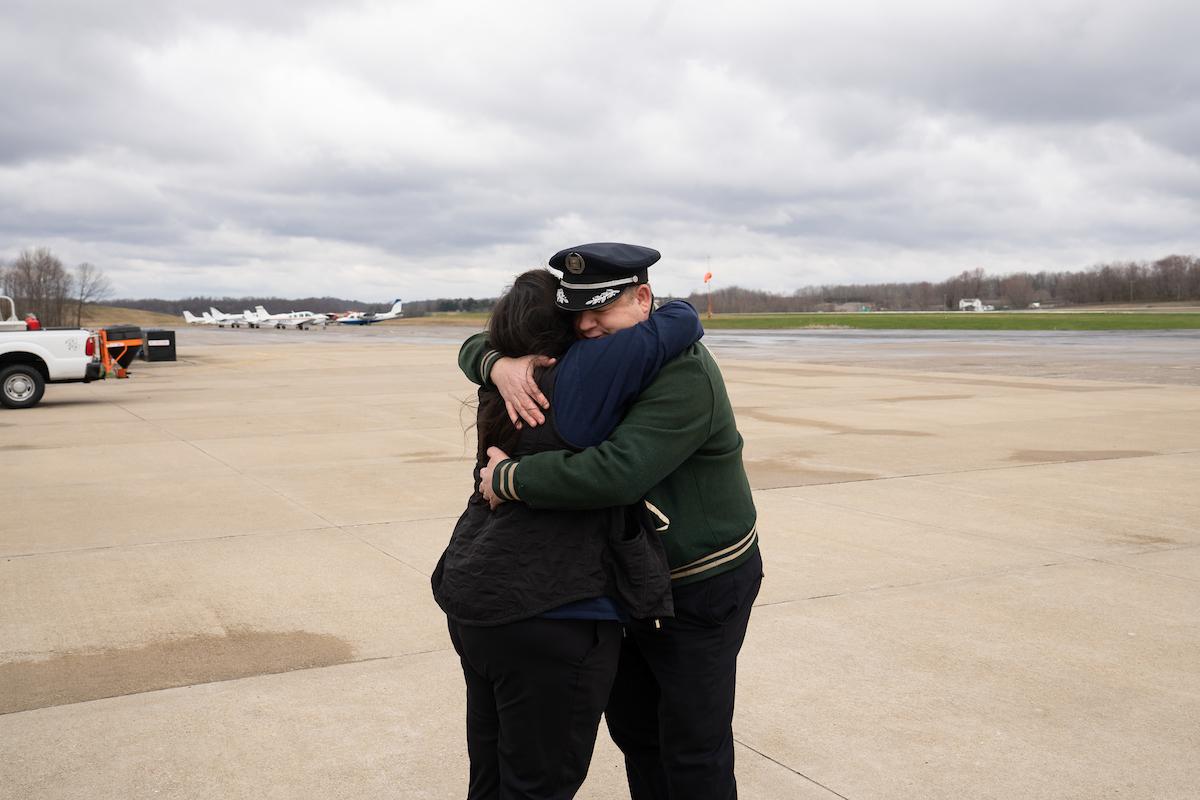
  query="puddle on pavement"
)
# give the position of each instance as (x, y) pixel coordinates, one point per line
(417, 455)
(923, 397)
(1141, 538)
(430, 457)
(775, 473)
(766, 416)
(92, 675)
(1039, 456)
(794, 387)
(966, 380)
(1016, 384)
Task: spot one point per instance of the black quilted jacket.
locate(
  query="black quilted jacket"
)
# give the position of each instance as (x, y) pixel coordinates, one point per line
(517, 562)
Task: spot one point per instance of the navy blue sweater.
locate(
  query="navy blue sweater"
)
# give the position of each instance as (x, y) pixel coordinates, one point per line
(595, 383)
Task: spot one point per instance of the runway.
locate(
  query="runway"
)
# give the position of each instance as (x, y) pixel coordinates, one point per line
(982, 569)
(1171, 356)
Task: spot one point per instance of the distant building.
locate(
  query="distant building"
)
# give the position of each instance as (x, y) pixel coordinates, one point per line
(974, 304)
(857, 306)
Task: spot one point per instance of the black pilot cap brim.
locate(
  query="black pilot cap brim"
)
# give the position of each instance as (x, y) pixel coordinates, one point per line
(594, 275)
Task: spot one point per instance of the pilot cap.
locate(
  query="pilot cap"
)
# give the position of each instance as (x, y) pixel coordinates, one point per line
(594, 275)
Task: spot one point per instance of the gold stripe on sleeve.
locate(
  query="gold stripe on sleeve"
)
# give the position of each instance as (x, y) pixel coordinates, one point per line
(718, 558)
(498, 480)
(486, 363)
(662, 518)
(511, 475)
(502, 483)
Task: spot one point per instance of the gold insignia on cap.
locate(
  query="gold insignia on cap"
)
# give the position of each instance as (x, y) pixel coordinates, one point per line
(574, 264)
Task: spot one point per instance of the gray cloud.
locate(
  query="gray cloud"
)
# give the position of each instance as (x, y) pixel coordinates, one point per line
(426, 148)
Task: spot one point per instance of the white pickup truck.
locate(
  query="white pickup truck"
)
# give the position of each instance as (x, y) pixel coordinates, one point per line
(31, 359)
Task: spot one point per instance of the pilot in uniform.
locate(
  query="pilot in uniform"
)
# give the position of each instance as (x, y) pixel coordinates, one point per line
(678, 450)
(535, 599)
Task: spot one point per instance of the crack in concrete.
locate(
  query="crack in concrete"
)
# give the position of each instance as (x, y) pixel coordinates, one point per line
(953, 579)
(793, 770)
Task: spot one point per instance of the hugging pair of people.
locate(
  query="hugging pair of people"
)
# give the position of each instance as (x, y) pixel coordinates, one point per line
(607, 560)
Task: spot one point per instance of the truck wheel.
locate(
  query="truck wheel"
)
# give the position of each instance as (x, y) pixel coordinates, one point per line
(21, 386)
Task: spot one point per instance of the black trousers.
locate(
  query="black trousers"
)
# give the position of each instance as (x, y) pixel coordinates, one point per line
(535, 693)
(671, 709)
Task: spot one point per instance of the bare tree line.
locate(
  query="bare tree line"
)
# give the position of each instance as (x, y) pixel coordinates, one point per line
(1170, 279)
(40, 284)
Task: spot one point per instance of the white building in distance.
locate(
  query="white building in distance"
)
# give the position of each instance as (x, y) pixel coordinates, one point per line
(973, 304)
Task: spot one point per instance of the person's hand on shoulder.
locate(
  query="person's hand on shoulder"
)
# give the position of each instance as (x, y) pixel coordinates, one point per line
(514, 379)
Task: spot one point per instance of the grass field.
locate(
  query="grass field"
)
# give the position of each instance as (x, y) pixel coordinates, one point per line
(948, 321)
(105, 316)
(963, 321)
(99, 316)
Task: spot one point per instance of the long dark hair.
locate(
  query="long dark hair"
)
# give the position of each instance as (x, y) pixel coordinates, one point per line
(525, 321)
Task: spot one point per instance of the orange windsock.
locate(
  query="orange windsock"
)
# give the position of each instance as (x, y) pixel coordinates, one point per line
(707, 277)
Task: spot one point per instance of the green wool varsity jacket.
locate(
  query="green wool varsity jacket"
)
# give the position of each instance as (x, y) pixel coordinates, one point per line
(677, 448)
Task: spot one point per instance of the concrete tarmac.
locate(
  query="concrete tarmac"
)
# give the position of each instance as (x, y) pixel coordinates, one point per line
(982, 570)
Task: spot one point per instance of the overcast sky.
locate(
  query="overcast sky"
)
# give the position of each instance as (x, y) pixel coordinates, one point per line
(424, 149)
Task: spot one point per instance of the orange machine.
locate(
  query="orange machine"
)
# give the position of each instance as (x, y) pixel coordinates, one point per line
(116, 354)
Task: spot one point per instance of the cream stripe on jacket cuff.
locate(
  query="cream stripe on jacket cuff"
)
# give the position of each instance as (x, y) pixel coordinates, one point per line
(486, 363)
(511, 478)
(504, 480)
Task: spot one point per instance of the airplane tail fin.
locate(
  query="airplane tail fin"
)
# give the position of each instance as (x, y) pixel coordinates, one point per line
(189, 318)
(397, 306)
(262, 312)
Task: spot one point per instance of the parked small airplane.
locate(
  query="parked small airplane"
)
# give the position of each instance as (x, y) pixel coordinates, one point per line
(295, 319)
(303, 320)
(359, 318)
(192, 319)
(233, 320)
